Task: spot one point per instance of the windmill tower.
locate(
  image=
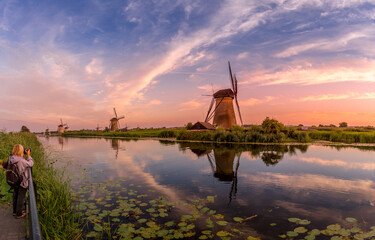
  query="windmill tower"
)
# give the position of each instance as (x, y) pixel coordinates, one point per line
(98, 128)
(223, 114)
(60, 128)
(66, 127)
(115, 124)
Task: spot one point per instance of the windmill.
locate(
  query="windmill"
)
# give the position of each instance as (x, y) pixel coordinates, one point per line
(115, 124)
(98, 128)
(223, 113)
(66, 127)
(60, 128)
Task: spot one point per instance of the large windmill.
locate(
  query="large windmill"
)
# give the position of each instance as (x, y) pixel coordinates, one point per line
(115, 124)
(60, 128)
(223, 113)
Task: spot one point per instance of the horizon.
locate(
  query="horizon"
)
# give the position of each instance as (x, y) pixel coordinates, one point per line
(299, 62)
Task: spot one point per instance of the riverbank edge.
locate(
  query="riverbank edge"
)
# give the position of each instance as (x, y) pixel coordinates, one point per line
(57, 217)
(315, 143)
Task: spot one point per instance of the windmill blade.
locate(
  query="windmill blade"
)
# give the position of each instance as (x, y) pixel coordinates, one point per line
(114, 109)
(231, 76)
(238, 108)
(61, 121)
(235, 85)
(209, 110)
(121, 117)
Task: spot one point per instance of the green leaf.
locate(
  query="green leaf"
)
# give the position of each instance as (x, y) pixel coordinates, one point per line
(300, 230)
(203, 237)
(237, 219)
(210, 199)
(292, 234)
(142, 220)
(98, 227)
(169, 224)
(315, 232)
(304, 222)
(222, 223)
(294, 220)
(351, 220)
(222, 233)
(310, 237)
(273, 224)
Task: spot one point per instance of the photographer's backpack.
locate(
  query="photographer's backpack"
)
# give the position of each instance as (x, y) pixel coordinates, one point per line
(13, 176)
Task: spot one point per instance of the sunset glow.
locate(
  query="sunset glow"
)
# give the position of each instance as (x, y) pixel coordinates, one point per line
(301, 62)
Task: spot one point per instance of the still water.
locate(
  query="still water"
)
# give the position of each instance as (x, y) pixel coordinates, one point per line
(237, 190)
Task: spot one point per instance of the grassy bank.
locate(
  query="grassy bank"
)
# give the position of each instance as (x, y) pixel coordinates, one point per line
(54, 201)
(252, 134)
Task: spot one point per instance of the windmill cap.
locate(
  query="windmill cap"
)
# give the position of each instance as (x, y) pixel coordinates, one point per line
(224, 93)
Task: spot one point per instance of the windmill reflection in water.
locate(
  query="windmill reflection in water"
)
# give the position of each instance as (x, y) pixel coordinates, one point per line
(221, 162)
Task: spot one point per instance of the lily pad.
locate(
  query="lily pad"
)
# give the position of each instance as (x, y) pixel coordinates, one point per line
(222, 223)
(300, 230)
(210, 199)
(351, 220)
(292, 234)
(294, 220)
(273, 224)
(310, 237)
(238, 219)
(98, 228)
(222, 233)
(304, 222)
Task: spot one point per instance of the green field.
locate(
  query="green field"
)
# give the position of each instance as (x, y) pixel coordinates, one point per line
(252, 134)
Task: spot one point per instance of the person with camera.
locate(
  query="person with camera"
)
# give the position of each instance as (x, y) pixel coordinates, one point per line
(19, 191)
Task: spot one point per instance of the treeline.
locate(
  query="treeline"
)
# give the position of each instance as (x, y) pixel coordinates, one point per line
(54, 201)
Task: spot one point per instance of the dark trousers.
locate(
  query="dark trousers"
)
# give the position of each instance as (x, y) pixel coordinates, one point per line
(19, 194)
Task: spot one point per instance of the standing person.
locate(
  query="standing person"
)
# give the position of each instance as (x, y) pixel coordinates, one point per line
(20, 191)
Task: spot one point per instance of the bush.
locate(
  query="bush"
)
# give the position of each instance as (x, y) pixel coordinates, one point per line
(167, 134)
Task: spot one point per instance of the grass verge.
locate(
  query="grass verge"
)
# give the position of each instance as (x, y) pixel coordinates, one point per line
(54, 199)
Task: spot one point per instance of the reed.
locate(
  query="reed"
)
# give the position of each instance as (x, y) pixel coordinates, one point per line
(54, 199)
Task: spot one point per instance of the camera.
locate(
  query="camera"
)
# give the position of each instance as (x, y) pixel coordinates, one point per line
(25, 150)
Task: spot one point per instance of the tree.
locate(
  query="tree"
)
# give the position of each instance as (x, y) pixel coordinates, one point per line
(25, 129)
(272, 126)
(343, 124)
(189, 125)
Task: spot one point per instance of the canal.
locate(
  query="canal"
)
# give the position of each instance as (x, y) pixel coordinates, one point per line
(160, 189)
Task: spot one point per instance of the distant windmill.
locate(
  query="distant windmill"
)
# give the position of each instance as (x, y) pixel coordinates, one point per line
(98, 128)
(46, 132)
(66, 127)
(115, 124)
(223, 113)
(60, 128)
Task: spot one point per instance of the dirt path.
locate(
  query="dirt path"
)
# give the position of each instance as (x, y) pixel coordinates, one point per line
(11, 228)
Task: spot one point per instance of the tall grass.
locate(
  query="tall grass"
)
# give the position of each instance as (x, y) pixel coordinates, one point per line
(54, 201)
(343, 136)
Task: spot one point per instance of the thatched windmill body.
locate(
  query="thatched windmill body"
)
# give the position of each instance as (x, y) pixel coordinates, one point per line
(114, 122)
(60, 128)
(223, 114)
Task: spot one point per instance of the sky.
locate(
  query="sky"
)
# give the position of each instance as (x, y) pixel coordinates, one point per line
(304, 62)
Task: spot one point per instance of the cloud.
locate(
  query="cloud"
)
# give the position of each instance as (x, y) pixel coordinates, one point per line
(327, 44)
(356, 70)
(94, 67)
(190, 105)
(339, 163)
(155, 102)
(256, 101)
(367, 95)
